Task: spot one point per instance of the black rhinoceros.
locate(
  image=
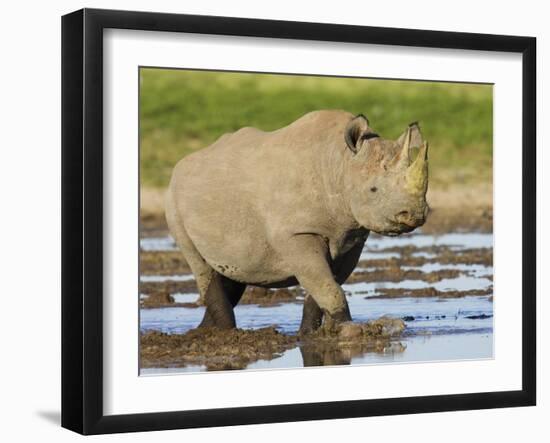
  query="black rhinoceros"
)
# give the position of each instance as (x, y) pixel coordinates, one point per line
(293, 206)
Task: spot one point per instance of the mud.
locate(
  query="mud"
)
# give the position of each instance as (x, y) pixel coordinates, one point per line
(478, 219)
(161, 299)
(396, 273)
(428, 292)
(162, 263)
(211, 347)
(339, 345)
(168, 287)
(414, 256)
(351, 332)
(218, 349)
(263, 297)
(479, 317)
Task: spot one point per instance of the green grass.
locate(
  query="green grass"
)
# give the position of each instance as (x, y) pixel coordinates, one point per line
(183, 111)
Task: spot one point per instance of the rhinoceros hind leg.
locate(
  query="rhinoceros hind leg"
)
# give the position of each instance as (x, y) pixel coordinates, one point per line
(312, 316)
(218, 313)
(217, 296)
(219, 310)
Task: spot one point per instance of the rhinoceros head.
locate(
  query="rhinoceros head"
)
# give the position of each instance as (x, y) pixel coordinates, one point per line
(386, 186)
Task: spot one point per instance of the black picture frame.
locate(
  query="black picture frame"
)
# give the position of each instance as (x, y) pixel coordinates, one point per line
(82, 220)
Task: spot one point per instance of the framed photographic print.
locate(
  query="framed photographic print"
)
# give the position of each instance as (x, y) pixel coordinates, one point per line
(269, 221)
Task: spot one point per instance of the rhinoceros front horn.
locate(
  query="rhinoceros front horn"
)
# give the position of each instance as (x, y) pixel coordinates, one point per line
(417, 173)
(403, 158)
(411, 138)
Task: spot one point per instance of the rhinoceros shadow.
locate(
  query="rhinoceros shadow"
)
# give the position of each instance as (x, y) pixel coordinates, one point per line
(336, 354)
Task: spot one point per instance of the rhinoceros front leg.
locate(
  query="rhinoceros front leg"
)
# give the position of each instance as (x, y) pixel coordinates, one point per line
(312, 316)
(308, 259)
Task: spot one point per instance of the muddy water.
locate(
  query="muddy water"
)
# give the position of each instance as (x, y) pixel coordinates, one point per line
(438, 327)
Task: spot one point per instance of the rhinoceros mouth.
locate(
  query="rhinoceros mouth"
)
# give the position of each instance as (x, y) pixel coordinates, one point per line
(390, 233)
(396, 230)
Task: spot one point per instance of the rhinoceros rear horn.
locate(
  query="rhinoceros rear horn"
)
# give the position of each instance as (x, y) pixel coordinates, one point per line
(354, 130)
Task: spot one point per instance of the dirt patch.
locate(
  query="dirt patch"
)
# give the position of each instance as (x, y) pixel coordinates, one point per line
(479, 317)
(152, 225)
(441, 254)
(465, 208)
(162, 299)
(263, 297)
(446, 256)
(428, 292)
(219, 349)
(169, 287)
(396, 274)
(444, 219)
(162, 263)
(157, 300)
(214, 348)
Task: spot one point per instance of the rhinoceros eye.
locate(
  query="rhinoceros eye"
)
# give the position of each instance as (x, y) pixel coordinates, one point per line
(373, 189)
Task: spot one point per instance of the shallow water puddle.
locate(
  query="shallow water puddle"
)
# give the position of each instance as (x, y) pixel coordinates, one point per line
(471, 269)
(422, 314)
(157, 244)
(434, 348)
(185, 298)
(423, 254)
(461, 283)
(367, 254)
(457, 241)
(429, 314)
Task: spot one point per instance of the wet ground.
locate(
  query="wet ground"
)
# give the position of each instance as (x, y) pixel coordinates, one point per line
(439, 286)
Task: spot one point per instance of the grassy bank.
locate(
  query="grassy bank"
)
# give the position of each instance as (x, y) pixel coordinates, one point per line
(182, 111)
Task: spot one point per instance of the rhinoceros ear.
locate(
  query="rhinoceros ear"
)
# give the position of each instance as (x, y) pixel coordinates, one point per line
(416, 136)
(354, 130)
